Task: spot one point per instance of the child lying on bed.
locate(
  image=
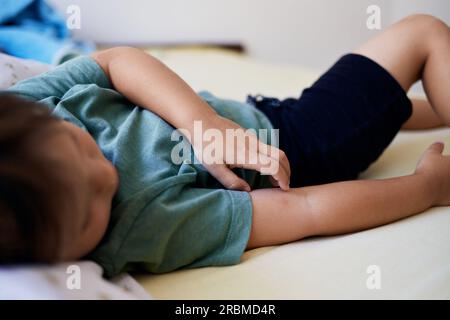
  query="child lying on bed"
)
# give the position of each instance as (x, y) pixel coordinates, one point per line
(103, 184)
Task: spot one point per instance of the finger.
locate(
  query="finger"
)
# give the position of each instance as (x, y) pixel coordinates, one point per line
(280, 175)
(274, 182)
(436, 147)
(264, 149)
(273, 167)
(284, 162)
(276, 154)
(228, 178)
(267, 165)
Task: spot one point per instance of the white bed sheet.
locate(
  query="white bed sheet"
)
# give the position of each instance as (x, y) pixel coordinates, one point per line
(412, 255)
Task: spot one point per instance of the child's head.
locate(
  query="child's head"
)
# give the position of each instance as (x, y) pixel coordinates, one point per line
(56, 186)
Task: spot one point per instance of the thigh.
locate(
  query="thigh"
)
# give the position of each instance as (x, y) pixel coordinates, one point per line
(401, 49)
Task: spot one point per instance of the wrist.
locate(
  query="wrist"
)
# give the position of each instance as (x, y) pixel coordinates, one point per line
(198, 124)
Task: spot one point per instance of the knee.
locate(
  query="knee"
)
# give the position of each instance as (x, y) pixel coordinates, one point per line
(425, 20)
(428, 27)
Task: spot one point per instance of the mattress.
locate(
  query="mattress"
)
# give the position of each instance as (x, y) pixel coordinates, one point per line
(409, 259)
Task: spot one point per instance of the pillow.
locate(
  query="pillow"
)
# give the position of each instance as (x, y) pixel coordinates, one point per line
(76, 280)
(73, 280)
(13, 69)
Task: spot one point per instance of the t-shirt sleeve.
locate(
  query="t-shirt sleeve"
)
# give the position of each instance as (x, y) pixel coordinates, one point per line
(55, 83)
(183, 228)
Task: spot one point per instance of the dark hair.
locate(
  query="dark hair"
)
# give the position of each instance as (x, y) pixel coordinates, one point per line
(30, 190)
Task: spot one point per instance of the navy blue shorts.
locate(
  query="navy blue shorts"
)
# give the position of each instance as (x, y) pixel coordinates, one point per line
(341, 124)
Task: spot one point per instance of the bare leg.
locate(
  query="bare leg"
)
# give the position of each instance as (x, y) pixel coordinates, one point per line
(417, 47)
(423, 117)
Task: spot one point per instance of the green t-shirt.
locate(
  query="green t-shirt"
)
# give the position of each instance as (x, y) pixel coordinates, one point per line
(164, 216)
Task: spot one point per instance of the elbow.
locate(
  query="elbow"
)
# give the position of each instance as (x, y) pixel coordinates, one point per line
(110, 53)
(121, 50)
(105, 58)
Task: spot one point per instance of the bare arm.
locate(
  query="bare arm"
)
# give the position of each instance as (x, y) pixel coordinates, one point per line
(336, 208)
(148, 83)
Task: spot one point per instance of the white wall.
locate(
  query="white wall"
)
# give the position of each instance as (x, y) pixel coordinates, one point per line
(308, 32)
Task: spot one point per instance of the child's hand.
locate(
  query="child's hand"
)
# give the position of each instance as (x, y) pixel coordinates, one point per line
(162, 101)
(245, 152)
(435, 167)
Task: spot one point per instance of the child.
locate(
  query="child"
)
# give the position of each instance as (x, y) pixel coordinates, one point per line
(102, 184)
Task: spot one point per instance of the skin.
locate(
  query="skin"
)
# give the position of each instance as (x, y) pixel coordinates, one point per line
(283, 214)
(357, 205)
(95, 180)
(423, 117)
(93, 187)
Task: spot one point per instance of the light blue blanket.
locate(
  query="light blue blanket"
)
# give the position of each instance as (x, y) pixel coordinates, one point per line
(31, 29)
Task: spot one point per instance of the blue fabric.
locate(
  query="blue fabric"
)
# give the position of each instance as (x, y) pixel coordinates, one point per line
(341, 124)
(31, 29)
